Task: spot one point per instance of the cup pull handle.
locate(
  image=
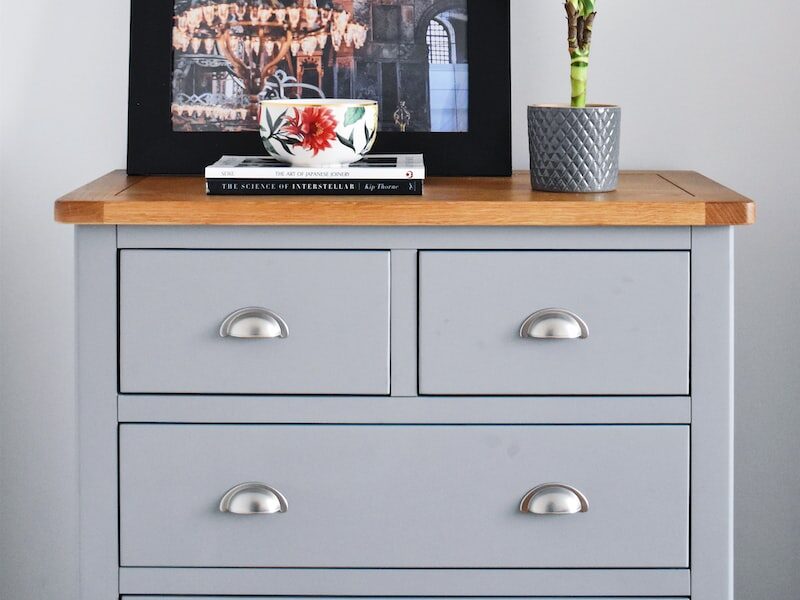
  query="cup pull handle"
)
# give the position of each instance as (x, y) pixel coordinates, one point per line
(554, 324)
(253, 498)
(554, 499)
(254, 323)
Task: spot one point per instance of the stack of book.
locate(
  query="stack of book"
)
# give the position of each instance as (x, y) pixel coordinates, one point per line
(374, 175)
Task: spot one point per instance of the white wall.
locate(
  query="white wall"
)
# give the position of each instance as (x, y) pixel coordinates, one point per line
(703, 87)
(63, 107)
(709, 86)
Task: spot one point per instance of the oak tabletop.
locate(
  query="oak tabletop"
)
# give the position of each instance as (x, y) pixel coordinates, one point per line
(643, 198)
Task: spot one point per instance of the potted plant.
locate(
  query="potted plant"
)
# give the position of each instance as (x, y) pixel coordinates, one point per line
(575, 148)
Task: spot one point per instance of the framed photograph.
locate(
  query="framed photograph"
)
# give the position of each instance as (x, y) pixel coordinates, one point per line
(439, 70)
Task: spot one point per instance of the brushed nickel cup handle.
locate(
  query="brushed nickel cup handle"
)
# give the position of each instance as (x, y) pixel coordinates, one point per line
(554, 324)
(253, 498)
(554, 499)
(254, 323)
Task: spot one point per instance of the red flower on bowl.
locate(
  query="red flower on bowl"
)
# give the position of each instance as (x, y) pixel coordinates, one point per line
(314, 127)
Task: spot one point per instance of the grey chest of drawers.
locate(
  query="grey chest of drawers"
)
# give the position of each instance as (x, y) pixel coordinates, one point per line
(373, 410)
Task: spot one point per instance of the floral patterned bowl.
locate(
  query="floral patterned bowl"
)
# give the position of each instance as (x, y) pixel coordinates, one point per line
(319, 132)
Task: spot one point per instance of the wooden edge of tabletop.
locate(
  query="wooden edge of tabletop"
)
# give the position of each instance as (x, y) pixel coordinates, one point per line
(684, 198)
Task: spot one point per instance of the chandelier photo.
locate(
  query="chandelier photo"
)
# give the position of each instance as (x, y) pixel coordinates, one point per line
(409, 56)
(252, 38)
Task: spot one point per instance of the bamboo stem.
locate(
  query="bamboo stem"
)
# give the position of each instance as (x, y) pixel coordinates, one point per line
(579, 38)
(579, 74)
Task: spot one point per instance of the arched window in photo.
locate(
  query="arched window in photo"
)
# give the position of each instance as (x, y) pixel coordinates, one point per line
(448, 68)
(439, 40)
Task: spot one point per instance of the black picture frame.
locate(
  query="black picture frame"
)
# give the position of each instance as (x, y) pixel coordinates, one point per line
(155, 149)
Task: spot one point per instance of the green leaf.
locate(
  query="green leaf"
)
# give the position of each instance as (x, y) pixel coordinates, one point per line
(353, 114)
(369, 137)
(346, 142)
(586, 7)
(269, 122)
(280, 119)
(285, 146)
(267, 144)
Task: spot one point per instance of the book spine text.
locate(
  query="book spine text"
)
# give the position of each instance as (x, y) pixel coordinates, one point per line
(335, 187)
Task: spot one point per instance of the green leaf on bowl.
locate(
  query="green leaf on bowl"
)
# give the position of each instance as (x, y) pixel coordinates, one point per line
(346, 142)
(353, 114)
(267, 144)
(286, 146)
(269, 121)
(280, 119)
(369, 135)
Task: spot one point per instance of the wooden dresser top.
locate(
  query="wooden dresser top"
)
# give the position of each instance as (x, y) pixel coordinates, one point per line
(644, 198)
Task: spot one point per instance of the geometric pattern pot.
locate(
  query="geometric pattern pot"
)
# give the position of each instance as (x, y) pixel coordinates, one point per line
(574, 149)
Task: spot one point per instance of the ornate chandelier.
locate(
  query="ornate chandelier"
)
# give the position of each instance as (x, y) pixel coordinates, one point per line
(254, 36)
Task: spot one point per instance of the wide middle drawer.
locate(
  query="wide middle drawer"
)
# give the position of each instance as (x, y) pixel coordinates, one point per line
(318, 322)
(550, 323)
(404, 496)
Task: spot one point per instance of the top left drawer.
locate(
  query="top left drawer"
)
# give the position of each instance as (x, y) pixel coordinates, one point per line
(319, 324)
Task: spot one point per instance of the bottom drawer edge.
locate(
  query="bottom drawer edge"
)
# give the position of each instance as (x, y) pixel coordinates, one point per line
(309, 583)
(379, 597)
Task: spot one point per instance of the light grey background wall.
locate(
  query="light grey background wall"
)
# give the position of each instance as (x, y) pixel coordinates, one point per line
(706, 85)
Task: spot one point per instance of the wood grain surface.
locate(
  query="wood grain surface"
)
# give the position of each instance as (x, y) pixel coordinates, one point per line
(643, 198)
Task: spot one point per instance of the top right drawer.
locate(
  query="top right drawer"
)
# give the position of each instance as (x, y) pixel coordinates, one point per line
(554, 323)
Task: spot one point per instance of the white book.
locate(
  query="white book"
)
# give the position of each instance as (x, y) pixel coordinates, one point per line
(373, 166)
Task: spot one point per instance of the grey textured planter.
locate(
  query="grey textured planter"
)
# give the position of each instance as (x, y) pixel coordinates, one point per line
(574, 149)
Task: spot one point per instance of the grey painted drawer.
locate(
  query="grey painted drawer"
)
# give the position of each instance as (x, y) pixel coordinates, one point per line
(404, 496)
(335, 304)
(473, 304)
